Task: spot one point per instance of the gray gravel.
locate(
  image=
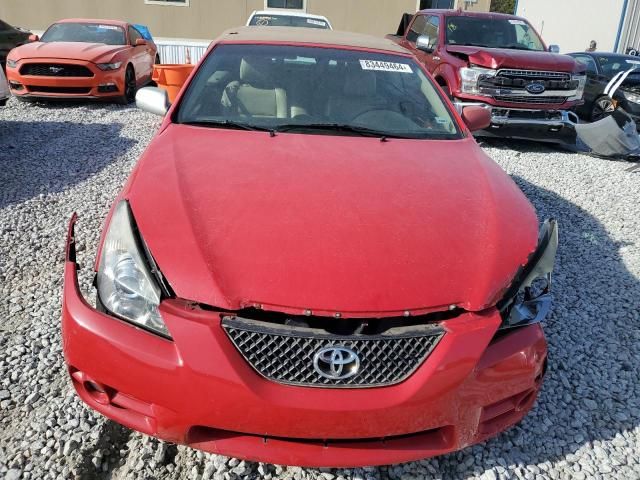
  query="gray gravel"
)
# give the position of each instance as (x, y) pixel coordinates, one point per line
(58, 159)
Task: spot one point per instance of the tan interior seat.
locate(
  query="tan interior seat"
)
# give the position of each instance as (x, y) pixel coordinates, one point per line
(256, 94)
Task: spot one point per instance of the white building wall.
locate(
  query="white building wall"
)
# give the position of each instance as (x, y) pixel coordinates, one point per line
(572, 24)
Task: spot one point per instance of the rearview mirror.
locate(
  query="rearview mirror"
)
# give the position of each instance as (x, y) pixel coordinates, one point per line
(153, 100)
(140, 41)
(476, 117)
(33, 38)
(554, 48)
(424, 43)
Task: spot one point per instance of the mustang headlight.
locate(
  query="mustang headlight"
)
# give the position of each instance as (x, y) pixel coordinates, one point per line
(582, 81)
(471, 76)
(109, 66)
(12, 63)
(528, 299)
(126, 286)
(631, 97)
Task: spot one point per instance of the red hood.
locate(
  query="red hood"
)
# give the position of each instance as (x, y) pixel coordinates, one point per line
(512, 58)
(92, 52)
(332, 224)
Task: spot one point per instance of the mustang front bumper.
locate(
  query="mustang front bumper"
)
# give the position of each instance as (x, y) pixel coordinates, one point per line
(199, 391)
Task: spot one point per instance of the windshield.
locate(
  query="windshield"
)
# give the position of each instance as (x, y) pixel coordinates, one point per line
(492, 33)
(85, 32)
(613, 64)
(315, 90)
(270, 20)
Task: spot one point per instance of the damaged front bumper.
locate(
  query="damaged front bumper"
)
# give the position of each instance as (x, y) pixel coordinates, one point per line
(198, 390)
(556, 126)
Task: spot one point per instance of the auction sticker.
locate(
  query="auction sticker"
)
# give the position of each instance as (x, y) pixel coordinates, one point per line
(316, 22)
(380, 66)
(517, 22)
(108, 27)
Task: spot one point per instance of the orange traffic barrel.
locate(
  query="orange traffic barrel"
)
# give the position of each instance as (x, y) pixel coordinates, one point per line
(171, 77)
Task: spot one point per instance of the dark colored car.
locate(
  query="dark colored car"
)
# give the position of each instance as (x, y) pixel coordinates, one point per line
(10, 37)
(613, 80)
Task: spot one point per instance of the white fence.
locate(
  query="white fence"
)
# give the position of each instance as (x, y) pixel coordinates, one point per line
(175, 51)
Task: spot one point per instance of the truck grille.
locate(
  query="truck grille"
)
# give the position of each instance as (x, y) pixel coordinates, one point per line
(532, 100)
(55, 70)
(534, 74)
(285, 354)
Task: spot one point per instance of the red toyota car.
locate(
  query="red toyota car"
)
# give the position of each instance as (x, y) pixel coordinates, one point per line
(313, 264)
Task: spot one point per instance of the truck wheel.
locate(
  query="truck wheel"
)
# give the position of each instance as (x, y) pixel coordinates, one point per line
(602, 107)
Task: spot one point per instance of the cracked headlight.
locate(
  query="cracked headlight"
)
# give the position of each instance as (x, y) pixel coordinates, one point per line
(528, 299)
(470, 78)
(126, 286)
(582, 81)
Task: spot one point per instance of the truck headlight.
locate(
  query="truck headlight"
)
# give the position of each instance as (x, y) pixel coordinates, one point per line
(471, 76)
(528, 299)
(582, 80)
(126, 286)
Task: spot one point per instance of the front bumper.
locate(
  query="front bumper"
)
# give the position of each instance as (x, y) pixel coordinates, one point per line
(199, 391)
(103, 84)
(557, 126)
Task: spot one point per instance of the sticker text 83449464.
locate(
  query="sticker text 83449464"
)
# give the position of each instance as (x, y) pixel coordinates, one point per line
(381, 66)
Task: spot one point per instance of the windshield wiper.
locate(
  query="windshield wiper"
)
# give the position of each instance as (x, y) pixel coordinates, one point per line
(339, 127)
(228, 124)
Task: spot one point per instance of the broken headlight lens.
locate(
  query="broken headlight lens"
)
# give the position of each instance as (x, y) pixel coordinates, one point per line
(126, 286)
(528, 299)
(631, 97)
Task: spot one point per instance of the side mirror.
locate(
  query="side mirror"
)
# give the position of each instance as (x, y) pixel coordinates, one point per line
(33, 38)
(554, 48)
(424, 43)
(476, 117)
(140, 42)
(153, 100)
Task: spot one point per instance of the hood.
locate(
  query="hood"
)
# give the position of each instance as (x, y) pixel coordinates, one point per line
(92, 52)
(331, 224)
(512, 58)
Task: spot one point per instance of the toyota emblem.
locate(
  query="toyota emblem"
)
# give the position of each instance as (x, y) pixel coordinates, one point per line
(336, 362)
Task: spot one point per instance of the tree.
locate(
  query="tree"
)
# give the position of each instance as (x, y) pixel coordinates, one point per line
(503, 6)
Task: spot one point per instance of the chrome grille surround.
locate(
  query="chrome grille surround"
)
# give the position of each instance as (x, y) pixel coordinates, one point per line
(534, 74)
(284, 354)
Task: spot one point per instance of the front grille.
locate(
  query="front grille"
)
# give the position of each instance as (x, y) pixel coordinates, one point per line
(55, 70)
(63, 90)
(536, 100)
(534, 74)
(285, 354)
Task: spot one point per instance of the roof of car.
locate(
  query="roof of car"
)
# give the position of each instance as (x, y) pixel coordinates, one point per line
(118, 23)
(296, 35)
(467, 13)
(288, 13)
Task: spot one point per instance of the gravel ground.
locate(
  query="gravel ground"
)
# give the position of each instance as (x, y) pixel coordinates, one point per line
(58, 159)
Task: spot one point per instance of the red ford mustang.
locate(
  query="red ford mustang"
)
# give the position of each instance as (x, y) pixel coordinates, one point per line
(314, 263)
(79, 58)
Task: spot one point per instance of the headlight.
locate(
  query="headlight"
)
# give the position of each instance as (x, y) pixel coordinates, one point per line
(582, 80)
(12, 63)
(109, 66)
(528, 299)
(631, 97)
(470, 77)
(126, 286)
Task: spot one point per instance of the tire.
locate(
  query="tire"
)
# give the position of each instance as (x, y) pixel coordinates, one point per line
(602, 108)
(130, 87)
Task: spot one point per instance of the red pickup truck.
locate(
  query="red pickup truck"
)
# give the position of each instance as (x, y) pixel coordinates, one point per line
(500, 62)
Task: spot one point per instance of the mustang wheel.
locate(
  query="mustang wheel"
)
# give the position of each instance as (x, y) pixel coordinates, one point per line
(130, 87)
(602, 107)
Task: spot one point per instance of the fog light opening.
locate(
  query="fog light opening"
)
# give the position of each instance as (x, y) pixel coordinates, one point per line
(524, 401)
(107, 88)
(16, 85)
(97, 391)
